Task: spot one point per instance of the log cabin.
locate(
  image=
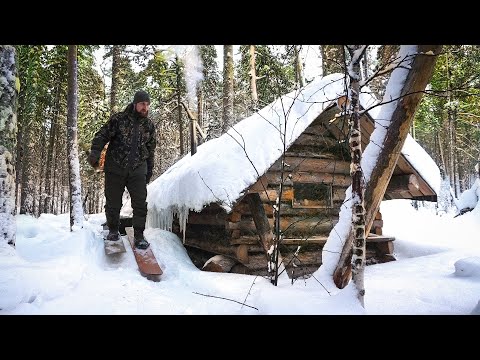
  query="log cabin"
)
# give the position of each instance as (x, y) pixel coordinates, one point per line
(292, 157)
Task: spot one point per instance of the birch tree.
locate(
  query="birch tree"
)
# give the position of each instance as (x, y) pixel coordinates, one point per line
(76, 210)
(358, 210)
(404, 91)
(9, 89)
(253, 79)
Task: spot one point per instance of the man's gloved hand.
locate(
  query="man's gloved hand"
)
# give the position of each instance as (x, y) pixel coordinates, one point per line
(93, 159)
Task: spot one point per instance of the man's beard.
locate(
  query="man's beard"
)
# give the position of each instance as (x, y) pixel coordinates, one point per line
(143, 113)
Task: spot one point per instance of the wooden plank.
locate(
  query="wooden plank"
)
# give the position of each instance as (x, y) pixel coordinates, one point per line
(112, 247)
(372, 238)
(147, 264)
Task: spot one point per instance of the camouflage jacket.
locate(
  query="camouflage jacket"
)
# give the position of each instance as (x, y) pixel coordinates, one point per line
(119, 131)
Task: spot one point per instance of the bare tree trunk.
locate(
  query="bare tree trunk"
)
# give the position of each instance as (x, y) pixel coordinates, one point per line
(200, 105)
(76, 209)
(116, 53)
(20, 147)
(9, 89)
(47, 206)
(179, 100)
(356, 172)
(253, 79)
(365, 64)
(26, 197)
(417, 78)
(227, 87)
(41, 172)
(443, 165)
(298, 68)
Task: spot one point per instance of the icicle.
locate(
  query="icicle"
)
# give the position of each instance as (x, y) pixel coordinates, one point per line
(163, 219)
(182, 215)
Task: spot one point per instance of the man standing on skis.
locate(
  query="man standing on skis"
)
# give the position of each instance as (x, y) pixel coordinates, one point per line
(128, 163)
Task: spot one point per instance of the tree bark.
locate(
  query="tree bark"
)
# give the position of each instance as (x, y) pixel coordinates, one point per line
(9, 89)
(116, 54)
(76, 209)
(253, 79)
(418, 76)
(179, 108)
(356, 172)
(227, 88)
(298, 69)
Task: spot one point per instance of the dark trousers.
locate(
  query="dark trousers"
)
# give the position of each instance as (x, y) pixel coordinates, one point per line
(116, 179)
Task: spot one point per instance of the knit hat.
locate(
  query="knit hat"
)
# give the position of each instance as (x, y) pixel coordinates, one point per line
(141, 96)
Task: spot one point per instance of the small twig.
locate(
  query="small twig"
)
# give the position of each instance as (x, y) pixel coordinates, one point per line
(249, 290)
(219, 297)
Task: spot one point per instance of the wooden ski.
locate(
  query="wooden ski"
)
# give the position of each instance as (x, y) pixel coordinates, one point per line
(147, 264)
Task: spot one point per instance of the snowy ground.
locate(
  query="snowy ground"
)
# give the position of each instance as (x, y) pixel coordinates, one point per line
(53, 271)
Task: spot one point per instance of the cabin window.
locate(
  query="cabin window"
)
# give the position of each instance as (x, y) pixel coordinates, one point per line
(312, 195)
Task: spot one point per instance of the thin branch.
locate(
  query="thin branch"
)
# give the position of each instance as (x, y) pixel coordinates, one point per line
(249, 290)
(219, 297)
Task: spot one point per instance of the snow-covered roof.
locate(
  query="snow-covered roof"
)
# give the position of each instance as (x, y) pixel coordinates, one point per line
(223, 168)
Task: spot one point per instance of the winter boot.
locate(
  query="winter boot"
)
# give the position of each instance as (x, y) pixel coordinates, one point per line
(140, 242)
(113, 235)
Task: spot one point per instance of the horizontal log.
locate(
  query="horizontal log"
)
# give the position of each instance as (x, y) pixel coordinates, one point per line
(259, 261)
(243, 208)
(290, 225)
(271, 195)
(253, 240)
(318, 130)
(287, 210)
(316, 140)
(313, 165)
(234, 216)
(217, 219)
(317, 240)
(274, 178)
(310, 152)
(232, 251)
